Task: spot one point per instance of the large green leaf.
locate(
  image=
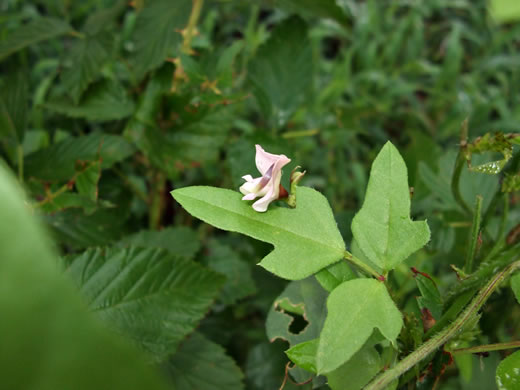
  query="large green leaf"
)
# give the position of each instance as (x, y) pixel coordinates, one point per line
(157, 32)
(86, 58)
(281, 71)
(201, 364)
(147, 294)
(355, 309)
(40, 29)
(13, 106)
(49, 340)
(58, 161)
(383, 228)
(306, 239)
(105, 101)
(508, 372)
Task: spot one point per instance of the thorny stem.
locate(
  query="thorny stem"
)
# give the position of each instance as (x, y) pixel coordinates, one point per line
(430, 346)
(486, 348)
(475, 229)
(365, 267)
(189, 32)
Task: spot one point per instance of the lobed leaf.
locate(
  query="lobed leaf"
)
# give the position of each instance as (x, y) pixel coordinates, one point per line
(383, 228)
(306, 239)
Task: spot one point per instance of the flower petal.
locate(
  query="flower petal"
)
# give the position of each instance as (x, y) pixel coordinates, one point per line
(264, 160)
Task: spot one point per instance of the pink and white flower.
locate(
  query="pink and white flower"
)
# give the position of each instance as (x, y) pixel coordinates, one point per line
(267, 187)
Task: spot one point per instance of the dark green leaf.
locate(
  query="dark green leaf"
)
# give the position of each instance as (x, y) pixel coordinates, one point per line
(58, 161)
(323, 9)
(178, 240)
(157, 32)
(13, 107)
(38, 30)
(44, 322)
(87, 180)
(281, 71)
(147, 294)
(200, 364)
(105, 101)
(430, 297)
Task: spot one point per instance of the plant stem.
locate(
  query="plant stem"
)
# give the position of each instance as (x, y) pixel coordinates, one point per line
(365, 267)
(487, 348)
(430, 346)
(19, 153)
(459, 164)
(189, 32)
(470, 256)
(156, 200)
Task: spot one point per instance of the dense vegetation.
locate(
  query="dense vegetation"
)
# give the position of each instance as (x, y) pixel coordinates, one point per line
(399, 112)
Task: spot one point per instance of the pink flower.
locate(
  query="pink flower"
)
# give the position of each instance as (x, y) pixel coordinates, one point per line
(267, 187)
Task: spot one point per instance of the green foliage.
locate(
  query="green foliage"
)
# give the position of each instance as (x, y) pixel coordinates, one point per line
(508, 375)
(203, 365)
(355, 309)
(300, 249)
(145, 294)
(383, 228)
(13, 107)
(430, 297)
(505, 10)
(44, 322)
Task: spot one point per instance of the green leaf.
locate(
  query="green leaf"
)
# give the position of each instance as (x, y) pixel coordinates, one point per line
(335, 274)
(44, 322)
(383, 228)
(200, 364)
(38, 30)
(508, 372)
(13, 107)
(239, 281)
(105, 101)
(430, 297)
(306, 239)
(178, 240)
(311, 8)
(58, 162)
(304, 298)
(281, 71)
(157, 33)
(304, 354)
(147, 294)
(504, 11)
(86, 57)
(87, 180)
(355, 309)
(515, 285)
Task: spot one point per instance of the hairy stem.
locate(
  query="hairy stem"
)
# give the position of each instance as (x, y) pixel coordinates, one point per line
(365, 267)
(441, 338)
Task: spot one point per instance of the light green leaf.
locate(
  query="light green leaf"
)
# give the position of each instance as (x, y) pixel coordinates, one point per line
(13, 106)
(157, 32)
(38, 30)
(281, 71)
(239, 281)
(58, 161)
(355, 309)
(201, 364)
(504, 11)
(147, 294)
(86, 57)
(87, 180)
(44, 322)
(508, 372)
(383, 228)
(178, 240)
(335, 274)
(304, 354)
(306, 239)
(105, 101)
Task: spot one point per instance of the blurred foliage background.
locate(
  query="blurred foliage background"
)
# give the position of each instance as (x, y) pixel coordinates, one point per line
(107, 106)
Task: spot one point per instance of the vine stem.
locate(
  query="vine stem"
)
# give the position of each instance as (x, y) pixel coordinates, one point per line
(441, 338)
(365, 267)
(487, 348)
